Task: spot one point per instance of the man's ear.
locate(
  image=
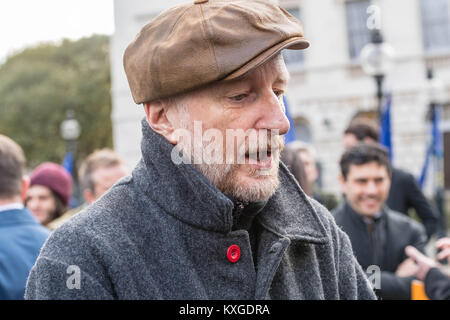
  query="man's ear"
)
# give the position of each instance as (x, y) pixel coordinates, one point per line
(156, 112)
(25, 186)
(88, 196)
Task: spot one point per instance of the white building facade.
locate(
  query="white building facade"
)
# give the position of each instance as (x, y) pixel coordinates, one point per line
(328, 86)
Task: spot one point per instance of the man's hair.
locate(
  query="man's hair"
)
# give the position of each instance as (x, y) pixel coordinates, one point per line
(104, 158)
(363, 128)
(364, 153)
(12, 166)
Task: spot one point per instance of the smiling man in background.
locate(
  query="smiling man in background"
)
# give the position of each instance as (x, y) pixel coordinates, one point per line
(238, 227)
(404, 193)
(379, 235)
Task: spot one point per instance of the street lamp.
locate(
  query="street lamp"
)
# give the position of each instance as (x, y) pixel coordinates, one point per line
(70, 132)
(435, 89)
(377, 60)
(70, 127)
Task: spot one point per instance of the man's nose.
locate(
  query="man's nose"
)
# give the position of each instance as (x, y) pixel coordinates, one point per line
(371, 188)
(272, 114)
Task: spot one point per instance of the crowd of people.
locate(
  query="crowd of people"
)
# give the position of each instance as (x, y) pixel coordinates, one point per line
(373, 212)
(32, 206)
(194, 230)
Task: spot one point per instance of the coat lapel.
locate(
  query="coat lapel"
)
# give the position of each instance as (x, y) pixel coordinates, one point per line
(290, 214)
(287, 218)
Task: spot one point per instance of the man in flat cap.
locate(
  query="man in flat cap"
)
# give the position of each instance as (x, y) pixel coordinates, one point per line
(209, 212)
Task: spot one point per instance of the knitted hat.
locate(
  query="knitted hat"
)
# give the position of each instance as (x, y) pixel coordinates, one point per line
(54, 177)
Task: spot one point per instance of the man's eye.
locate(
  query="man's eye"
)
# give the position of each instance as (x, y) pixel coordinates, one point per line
(239, 97)
(278, 92)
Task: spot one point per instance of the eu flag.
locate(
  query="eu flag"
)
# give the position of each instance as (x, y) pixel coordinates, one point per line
(68, 162)
(290, 136)
(385, 128)
(435, 147)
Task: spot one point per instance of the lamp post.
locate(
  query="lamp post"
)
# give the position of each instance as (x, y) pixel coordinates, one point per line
(436, 89)
(70, 132)
(377, 60)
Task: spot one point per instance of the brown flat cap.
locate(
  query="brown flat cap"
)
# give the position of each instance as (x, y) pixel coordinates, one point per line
(195, 44)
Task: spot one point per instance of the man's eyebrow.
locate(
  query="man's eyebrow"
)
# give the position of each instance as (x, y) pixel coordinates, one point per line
(283, 78)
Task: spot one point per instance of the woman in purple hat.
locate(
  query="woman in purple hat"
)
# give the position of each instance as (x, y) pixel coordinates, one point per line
(49, 193)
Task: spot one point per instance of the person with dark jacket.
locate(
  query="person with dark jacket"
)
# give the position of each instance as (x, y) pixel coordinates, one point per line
(404, 193)
(21, 235)
(437, 283)
(187, 224)
(378, 234)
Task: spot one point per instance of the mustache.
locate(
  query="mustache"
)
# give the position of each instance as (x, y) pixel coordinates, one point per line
(259, 148)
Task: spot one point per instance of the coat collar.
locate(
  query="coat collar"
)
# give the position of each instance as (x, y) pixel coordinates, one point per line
(16, 216)
(11, 206)
(359, 218)
(184, 193)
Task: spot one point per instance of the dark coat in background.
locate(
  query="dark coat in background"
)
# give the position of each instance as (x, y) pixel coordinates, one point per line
(405, 194)
(164, 232)
(21, 239)
(437, 285)
(393, 232)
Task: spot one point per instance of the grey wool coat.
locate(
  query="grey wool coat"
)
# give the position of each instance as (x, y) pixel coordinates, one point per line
(164, 232)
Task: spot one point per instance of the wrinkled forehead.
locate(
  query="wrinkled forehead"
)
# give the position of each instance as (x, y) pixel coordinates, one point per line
(274, 70)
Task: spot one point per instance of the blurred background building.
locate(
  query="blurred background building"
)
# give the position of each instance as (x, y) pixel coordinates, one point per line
(329, 86)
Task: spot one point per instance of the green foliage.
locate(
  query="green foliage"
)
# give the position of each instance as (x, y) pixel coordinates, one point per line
(38, 86)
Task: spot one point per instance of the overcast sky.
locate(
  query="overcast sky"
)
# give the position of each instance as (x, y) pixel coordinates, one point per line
(28, 22)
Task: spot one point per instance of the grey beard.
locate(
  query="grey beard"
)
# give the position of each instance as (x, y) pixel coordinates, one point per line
(224, 178)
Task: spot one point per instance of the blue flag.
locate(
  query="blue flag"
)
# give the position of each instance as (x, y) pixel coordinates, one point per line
(385, 128)
(436, 133)
(435, 145)
(290, 136)
(423, 174)
(68, 162)
(68, 165)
